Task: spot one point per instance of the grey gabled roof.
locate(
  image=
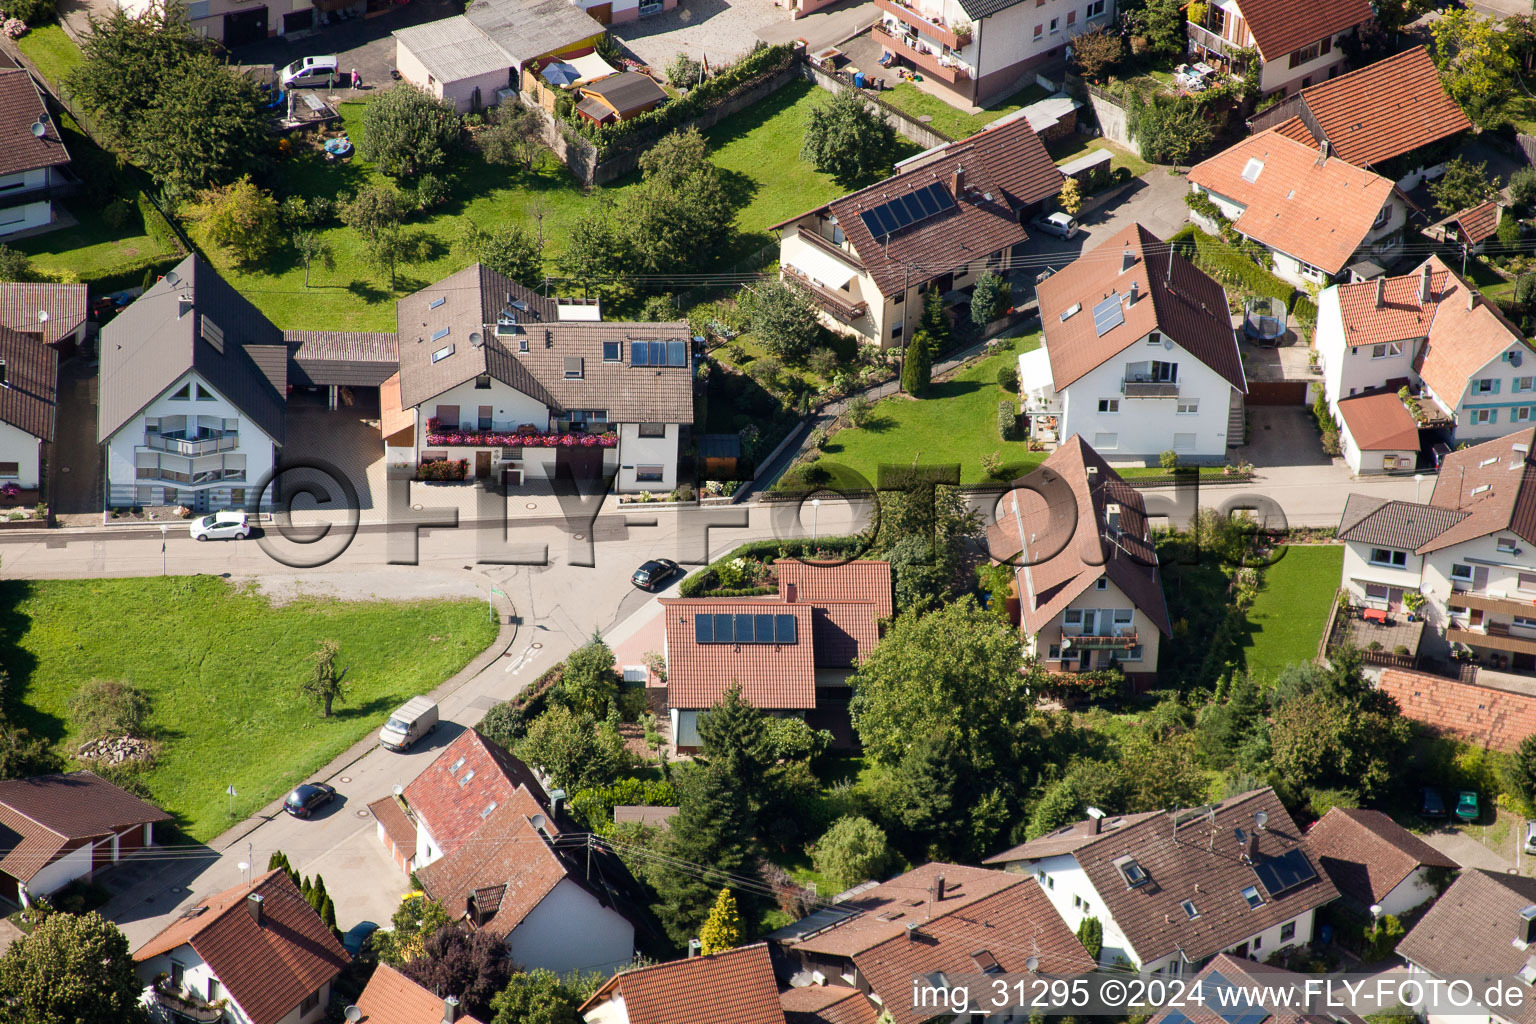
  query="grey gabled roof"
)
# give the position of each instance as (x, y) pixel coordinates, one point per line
(628, 91)
(526, 29)
(350, 358)
(1394, 524)
(158, 338)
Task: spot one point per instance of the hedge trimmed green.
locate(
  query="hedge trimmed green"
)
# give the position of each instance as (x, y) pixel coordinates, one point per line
(696, 584)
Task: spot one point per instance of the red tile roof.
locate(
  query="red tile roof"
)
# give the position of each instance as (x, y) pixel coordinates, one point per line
(1478, 223)
(392, 998)
(1281, 26)
(1296, 128)
(21, 106)
(1405, 313)
(29, 400)
(65, 304)
(1062, 493)
(1187, 305)
(736, 986)
(1497, 719)
(1481, 481)
(827, 1004)
(850, 581)
(398, 826)
(268, 969)
(1380, 422)
(1367, 854)
(451, 806)
(1067, 838)
(507, 864)
(1382, 110)
(1462, 341)
(1316, 210)
(40, 816)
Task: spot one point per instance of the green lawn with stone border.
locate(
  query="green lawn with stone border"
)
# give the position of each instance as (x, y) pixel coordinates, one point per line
(1290, 612)
(1074, 146)
(949, 119)
(222, 665)
(51, 50)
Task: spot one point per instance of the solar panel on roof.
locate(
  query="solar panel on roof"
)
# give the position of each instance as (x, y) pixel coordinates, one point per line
(762, 628)
(784, 629)
(1285, 872)
(1107, 314)
(640, 354)
(677, 353)
(904, 211)
(704, 629)
(724, 629)
(744, 631)
(1230, 1002)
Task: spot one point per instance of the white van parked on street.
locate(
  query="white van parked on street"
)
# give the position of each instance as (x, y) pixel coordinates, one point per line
(415, 718)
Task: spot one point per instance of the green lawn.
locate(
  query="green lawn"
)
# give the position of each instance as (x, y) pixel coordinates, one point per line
(955, 422)
(1287, 618)
(951, 120)
(1075, 145)
(54, 53)
(757, 149)
(221, 665)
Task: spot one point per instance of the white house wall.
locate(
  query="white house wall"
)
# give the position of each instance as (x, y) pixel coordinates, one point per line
(461, 92)
(61, 872)
(195, 977)
(1351, 369)
(427, 849)
(610, 1011)
(510, 408)
(636, 451)
(1110, 598)
(25, 217)
(571, 931)
(414, 71)
(20, 447)
(1508, 410)
(1066, 885)
(1409, 894)
(1358, 570)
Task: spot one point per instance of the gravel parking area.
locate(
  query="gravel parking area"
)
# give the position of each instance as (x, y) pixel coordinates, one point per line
(717, 30)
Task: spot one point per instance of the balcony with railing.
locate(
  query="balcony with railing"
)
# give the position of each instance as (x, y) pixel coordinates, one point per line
(928, 26)
(1203, 38)
(1118, 641)
(1146, 387)
(207, 442)
(840, 304)
(817, 241)
(909, 48)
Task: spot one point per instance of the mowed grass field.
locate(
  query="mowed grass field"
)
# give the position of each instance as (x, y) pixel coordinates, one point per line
(222, 666)
(1288, 616)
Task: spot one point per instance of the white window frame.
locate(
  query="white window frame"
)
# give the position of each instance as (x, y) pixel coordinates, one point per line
(1109, 406)
(1386, 350)
(1396, 559)
(1459, 576)
(1188, 407)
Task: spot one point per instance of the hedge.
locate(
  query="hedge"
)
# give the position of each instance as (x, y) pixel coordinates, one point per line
(1007, 420)
(697, 584)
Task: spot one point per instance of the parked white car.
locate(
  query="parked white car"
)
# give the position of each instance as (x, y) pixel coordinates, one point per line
(221, 526)
(309, 72)
(1062, 225)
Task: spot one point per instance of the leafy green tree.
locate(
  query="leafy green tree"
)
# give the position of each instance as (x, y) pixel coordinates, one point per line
(406, 131)
(326, 682)
(683, 72)
(917, 366)
(1521, 769)
(852, 850)
(679, 216)
(72, 969)
(514, 251)
(393, 248)
(1087, 783)
(1096, 52)
(1091, 934)
(989, 300)
(514, 137)
(416, 919)
(711, 828)
(1160, 774)
(1522, 188)
(537, 997)
(1161, 23)
(1475, 62)
(935, 324)
(241, 219)
(597, 247)
(734, 735)
(783, 319)
(311, 248)
(375, 208)
(846, 138)
(15, 265)
(925, 573)
(204, 127)
(589, 681)
(722, 929)
(953, 670)
(23, 755)
(1172, 131)
(1227, 727)
(1463, 185)
(126, 61)
(1319, 742)
(1395, 15)
(574, 750)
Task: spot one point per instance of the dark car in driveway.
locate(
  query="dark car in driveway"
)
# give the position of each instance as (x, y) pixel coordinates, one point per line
(654, 573)
(308, 798)
(1432, 805)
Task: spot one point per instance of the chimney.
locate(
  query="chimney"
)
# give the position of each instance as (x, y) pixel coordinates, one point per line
(694, 947)
(1381, 292)
(938, 889)
(1096, 816)
(556, 801)
(2, 374)
(1135, 293)
(472, 909)
(1424, 295)
(253, 904)
(959, 182)
(1322, 151)
(1471, 300)
(1252, 852)
(1127, 259)
(1527, 930)
(911, 931)
(789, 593)
(450, 1010)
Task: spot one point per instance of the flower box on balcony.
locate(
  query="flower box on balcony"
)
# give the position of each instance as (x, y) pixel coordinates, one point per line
(499, 439)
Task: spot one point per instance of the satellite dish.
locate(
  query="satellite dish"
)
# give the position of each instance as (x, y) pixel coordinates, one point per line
(1066, 643)
(475, 340)
(399, 789)
(1031, 964)
(172, 279)
(1261, 818)
(352, 1014)
(39, 129)
(42, 316)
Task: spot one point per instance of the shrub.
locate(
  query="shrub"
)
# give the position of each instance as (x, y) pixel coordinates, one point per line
(116, 213)
(1169, 459)
(1522, 187)
(30, 12)
(859, 410)
(1007, 420)
(852, 850)
(430, 191)
(1509, 230)
(109, 707)
(683, 72)
(1381, 941)
(1008, 378)
(443, 469)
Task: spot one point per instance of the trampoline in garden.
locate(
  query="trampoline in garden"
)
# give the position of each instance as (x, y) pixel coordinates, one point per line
(1264, 320)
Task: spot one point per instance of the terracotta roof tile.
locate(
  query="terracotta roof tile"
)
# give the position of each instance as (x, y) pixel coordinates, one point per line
(1280, 26)
(1469, 931)
(21, 105)
(736, 986)
(270, 968)
(1497, 719)
(827, 1004)
(41, 815)
(1495, 483)
(392, 998)
(450, 806)
(774, 676)
(1296, 128)
(851, 581)
(1367, 854)
(1479, 223)
(1380, 422)
(29, 400)
(508, 853)
(1059, 493)
(1317, 210)
(1405, 312)
(1186, 304)
(1384, 109)
(1067, 839)
(397, 824)
(1250, 974)
(65, 305)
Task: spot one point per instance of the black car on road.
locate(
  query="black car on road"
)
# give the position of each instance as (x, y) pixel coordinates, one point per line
(304, 800)
(654, 573)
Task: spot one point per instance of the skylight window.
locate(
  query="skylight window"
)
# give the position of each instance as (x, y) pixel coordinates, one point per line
(488, 809)
(1251, 894)
(456, 766)
(1252, 169)
(1072, 310)
(1189, 909)
(440, 334)
(1488, 462)
(436, 302)
(467, 776)
(1482, 488)
(442, 353)
(1131, 872)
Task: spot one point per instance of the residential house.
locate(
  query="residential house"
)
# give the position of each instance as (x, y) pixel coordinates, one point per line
(1173, 890)
(828, 1004)
(1469, 230)
(1315, 212)
(192, 394)
(1432, 331)
(1465, 553)
(29, 375)
(1483, 925)
(1393, 117)
(978, 51)
(1090, 598)
(946, 217)
(479, 832)
(257, 950)
(57, 828)
(1378, 433)
(791, 654)
(1375, 862)
(619, 98)
(498, 376)
(1137, 355)
(938, 921)
(1297, 44)
(1492, 718)
(392, 998)
(54, 312)
(1221, 983)
(470, 58)
(33, 159)
(736, 986)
